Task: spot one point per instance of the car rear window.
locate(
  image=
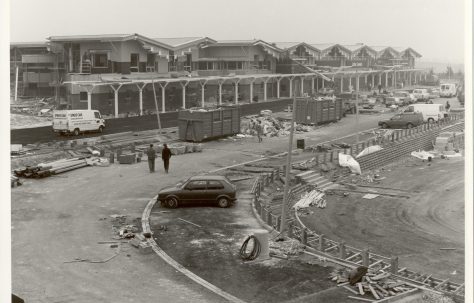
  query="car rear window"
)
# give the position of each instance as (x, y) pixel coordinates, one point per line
(214, 184)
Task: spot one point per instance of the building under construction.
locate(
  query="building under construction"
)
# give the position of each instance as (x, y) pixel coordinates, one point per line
(133, 74)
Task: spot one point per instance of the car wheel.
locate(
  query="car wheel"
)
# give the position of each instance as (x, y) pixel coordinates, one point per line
(409, 125)
(172, 202)
(101, 129)
(223, 202)
(76, 132)
(430, 120)
(384, 125)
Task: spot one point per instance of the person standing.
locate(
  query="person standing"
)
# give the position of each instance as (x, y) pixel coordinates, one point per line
(151, 154)
(447, 106)
(166, 155)
(259, 131)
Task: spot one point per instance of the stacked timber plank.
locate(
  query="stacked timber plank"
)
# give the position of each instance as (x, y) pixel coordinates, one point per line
(312, 198)
(372, 286)
(51, 168)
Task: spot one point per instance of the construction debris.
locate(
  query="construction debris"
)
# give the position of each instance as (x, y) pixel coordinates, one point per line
(288, 247)
(312, 198)
(369, 285)
(51, 168)
(271, 126)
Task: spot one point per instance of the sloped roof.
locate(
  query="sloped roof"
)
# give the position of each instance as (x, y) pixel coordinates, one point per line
(110, 38)
(28, 44)
(287, 45)
(183, 41)
(323, 46)
(353, 47)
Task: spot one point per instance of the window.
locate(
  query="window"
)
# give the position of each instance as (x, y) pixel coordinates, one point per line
(83, 96)
(100, 60)
(231, 65)
(150, 59)
(97, 115)
(196, 185)
(214, 184)
(134, 60)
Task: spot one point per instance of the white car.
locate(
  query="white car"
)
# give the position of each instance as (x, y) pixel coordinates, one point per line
(421, 94)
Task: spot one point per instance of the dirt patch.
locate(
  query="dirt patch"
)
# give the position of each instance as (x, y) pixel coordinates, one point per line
(426, 230)
(212, 252)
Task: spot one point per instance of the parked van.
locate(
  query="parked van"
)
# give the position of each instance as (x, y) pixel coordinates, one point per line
(77, 121)
(448, 90)
(421, 94)
(431, 112)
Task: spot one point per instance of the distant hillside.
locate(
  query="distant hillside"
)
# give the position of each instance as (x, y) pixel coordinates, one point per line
(439, 67)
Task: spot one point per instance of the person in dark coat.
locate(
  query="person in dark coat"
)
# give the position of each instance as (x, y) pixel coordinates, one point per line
(151, 153)
(166, 155)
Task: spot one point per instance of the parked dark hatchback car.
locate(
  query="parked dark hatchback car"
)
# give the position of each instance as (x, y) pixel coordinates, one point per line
(202, 188)
(403, 120)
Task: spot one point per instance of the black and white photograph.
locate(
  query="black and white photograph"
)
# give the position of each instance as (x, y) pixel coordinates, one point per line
(245, 151)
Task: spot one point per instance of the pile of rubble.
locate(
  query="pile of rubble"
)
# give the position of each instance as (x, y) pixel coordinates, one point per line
(121, 229)
(370, 285)
(271, 126)
(36, 107)
(284, 249)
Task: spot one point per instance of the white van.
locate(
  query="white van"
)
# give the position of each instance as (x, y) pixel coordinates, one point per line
(421, 94)
(431, 112)
(447, 90)
(77, 121)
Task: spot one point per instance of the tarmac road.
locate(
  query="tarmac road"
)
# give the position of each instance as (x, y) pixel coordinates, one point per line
(170, 119)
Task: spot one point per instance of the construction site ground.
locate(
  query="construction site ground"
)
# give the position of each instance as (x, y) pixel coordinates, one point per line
(58, 222)
(426, 230)
(61, 218)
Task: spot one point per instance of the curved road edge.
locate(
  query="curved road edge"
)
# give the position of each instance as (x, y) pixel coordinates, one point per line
(176, 265)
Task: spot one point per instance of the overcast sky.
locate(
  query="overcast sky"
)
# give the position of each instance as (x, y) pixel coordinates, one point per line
(435, 28)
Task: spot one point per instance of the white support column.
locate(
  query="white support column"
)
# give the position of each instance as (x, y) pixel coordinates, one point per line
(365, 81)
(317, 85)
(386, 80)
(350, 82)
(380, 79)
(252, 80)
(409, 78)
(312, 85)
(373, 81)
(302, 86)
(89, 100)
(203, 85)
(116, 90)
(342, 83)
(71, 67)
(163, 96)
(220, 91)
(237, 91)
(265, 81)
(394, 79)
(16, 83)
(278, 88)
(322, 83)
(140, 96)
(425, 76)
(291, 86)
(357, 83)
(183, 86)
